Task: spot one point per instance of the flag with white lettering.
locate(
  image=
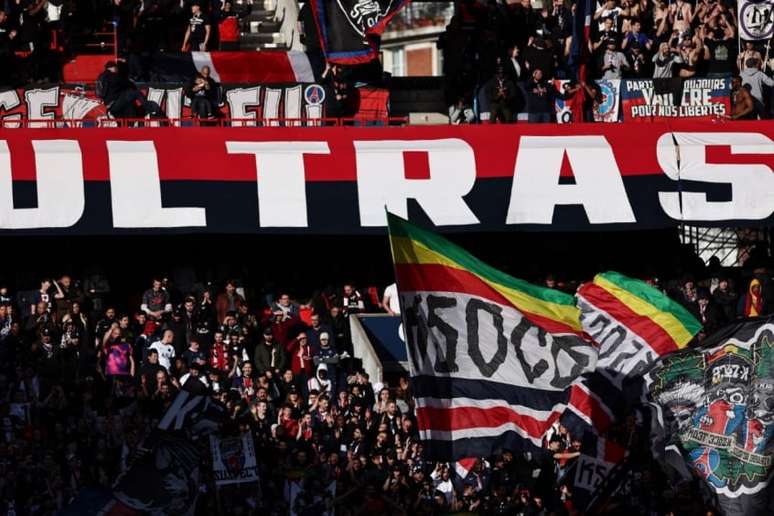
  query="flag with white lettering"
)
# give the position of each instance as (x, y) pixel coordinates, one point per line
(350, 29)
(659, 100)
(632, 324)
(193, 410)
(163, 474)
(715, 406)
(756, 19)
(491, 357)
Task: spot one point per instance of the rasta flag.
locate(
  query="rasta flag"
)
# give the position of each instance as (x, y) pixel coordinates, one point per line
(716, 408)
(632, 324)
(491, 357)
(629, 318)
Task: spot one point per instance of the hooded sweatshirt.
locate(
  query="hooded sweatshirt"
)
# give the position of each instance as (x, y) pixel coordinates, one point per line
(318, 383)
(756, 79)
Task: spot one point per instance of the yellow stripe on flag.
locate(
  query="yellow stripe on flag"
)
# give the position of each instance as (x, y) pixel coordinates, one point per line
(668, 322)
(413, 252)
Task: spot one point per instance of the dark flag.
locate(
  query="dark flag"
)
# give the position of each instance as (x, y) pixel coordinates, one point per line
(163, 478)
(581, 31)
(163, 473)
(350, 29)
(715, 406)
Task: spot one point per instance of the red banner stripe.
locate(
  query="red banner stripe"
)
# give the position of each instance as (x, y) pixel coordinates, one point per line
(439, 278)
(464, 418)
(590, 407)
(650, 332)
(252, 67)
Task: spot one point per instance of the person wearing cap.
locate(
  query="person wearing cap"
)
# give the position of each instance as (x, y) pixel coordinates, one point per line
(612, 62)
(269, 355)
(301, 357)
(195, 371)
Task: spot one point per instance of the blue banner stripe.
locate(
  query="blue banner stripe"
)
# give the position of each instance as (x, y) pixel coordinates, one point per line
(443, 387)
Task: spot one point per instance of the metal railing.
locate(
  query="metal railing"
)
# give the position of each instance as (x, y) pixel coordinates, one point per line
(107, 122)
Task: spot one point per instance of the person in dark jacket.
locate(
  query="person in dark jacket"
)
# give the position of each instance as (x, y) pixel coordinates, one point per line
(120, 95)
(203, 92)
(500, 93)
(725, 299)
(269, 354)
(710, 315)
(540, 98)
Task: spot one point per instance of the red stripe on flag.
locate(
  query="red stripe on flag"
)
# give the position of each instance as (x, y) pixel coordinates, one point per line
(590, 407)
(465, 418)
(614, 452)
(439, 278)
(653, 334)
(265, 67)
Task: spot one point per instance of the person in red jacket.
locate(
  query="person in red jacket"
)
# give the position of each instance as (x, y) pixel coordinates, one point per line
(228, 28)
(301, 356)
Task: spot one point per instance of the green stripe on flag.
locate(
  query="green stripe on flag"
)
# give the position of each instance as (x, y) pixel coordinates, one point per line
(399, 227)
(655, 298)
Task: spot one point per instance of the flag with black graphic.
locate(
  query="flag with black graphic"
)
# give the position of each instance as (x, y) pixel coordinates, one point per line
(350, 29)
(716, 408)
(163, 472)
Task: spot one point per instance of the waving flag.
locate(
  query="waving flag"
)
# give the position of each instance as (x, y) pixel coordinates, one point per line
(491, 357)
(716, 407)
(632, 324)
(349, 29)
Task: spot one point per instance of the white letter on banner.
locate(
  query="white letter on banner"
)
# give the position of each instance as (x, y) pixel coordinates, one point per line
(752, 185)
(381, 180)
(9, 99)
(281, 179)
(61, 199)
(37, 101)
(135, 189)
(598, 185)
(239, 99)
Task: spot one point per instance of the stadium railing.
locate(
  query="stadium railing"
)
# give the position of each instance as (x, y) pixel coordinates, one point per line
(61, 123)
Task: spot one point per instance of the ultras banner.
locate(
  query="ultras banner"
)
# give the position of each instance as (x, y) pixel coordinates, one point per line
(77, 106)
(339, 180)
(653, 100)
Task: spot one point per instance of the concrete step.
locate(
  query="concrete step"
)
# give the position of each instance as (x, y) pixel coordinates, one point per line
(257, 38)
(269, 26)
(260, 15)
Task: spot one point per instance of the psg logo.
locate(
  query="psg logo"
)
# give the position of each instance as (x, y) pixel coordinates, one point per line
(314, 94)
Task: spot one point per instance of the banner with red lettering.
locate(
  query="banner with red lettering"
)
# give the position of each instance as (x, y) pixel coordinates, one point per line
(338, 180)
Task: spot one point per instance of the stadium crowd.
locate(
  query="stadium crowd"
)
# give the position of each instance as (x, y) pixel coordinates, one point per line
(506, 55)
(503, 55)
(82, 383)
